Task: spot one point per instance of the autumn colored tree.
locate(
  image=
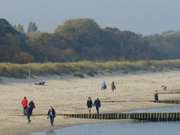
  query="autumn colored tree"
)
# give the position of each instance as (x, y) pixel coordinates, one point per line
(23, 57)
(83, 39)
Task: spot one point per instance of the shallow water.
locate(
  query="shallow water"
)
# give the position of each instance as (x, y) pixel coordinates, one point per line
(162, 109)
(124, 128)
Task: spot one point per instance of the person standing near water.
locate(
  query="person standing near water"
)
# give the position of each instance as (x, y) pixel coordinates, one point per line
(24, 103)
(89, 104)
(51, 115)
(97, 104)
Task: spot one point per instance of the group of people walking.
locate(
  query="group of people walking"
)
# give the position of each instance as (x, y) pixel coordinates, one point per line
(97, 104)
(28, 110)
(104, 86)
(28, 107)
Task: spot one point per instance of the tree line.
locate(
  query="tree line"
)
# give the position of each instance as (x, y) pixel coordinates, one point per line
(83, 39)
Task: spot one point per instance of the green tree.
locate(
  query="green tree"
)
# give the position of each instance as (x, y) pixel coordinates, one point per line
(32, 27)
(19, 28)
(83, 26)
(11, 42)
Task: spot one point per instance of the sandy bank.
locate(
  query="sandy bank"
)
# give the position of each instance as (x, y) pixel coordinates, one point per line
(68, 95)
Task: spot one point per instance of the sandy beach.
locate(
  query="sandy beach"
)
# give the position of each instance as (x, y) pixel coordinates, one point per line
(69, 94)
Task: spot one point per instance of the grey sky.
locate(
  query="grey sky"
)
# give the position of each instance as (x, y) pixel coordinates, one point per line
(141, 16)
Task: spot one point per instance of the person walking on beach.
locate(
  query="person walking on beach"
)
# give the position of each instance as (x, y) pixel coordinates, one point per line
(29, 110)
(89, 104)
(51, 115)
(156, 97)
(97, 104)
(113, 87)
(24, 103)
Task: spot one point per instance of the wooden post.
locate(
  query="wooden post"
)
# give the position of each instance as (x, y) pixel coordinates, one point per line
(140, 116)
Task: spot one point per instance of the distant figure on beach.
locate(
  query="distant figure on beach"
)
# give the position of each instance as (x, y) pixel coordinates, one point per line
(103, 85)
(89, 104)
(113, 87)
(24, 103)
(164, 87)
(97, 104)
(156, 97)
(51, 115)
(29, 110)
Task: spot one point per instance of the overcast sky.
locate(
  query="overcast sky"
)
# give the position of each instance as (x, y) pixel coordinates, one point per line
(141, 16)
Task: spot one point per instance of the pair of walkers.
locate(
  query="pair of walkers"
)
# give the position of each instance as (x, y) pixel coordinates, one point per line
(28, 110)
(104, 86)
(97, 104)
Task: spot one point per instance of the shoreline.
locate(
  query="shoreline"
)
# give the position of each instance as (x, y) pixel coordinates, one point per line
(62, 92)
(80, 122)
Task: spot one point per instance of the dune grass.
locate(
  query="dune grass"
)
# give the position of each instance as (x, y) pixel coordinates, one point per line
(85, 67)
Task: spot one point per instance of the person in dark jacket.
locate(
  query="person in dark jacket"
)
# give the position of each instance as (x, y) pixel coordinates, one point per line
(51, 115)
(31, 107)
(89, 104)
(97, 104)
(156, 97)
(29, 110)
(113, 87)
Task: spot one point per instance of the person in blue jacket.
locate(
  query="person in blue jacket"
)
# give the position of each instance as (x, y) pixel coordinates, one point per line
(29, 110)
(97, 104)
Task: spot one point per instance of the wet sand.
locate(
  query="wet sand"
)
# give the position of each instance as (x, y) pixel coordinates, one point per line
(68, 95)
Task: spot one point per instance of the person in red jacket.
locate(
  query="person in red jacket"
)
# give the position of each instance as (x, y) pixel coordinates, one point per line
(24, 103)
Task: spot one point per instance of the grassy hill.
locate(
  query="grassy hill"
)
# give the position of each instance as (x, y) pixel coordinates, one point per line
(88, 68)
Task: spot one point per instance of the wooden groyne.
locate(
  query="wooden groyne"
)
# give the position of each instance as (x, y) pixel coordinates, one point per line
(139, 101)
(146, 116)
(175, 116)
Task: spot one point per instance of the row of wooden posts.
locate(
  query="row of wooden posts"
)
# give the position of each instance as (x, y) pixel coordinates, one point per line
(175, 116)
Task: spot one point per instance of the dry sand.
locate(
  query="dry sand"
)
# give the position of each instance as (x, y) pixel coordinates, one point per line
(69, 95)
